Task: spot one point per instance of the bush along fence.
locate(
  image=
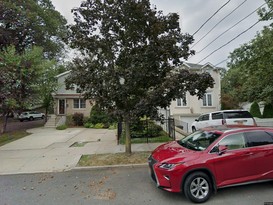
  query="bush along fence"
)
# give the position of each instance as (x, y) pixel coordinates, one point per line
(148, 131)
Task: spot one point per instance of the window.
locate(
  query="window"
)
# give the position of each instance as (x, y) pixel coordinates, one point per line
(217, 116)
(235, 141)
(181, 102)
(258, 138)
(207, 99)
(204, 117)
(79, 103)
(237, 114)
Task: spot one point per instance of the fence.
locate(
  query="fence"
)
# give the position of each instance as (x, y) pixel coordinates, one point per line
(149, 131)
(182, 125)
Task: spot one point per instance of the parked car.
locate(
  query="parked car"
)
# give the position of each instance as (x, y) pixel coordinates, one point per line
(213, 158)
(31, 115)
(223, 117)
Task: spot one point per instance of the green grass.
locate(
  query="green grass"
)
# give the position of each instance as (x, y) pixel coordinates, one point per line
(113, 159)
(12, 136)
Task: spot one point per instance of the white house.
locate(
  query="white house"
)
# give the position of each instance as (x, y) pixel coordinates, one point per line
(68, 102)
(186, 110)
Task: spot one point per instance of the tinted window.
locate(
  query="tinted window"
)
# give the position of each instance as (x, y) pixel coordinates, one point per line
(205, 117)
(237, 114)
(217, 116)
(235, 141)
(258, 138)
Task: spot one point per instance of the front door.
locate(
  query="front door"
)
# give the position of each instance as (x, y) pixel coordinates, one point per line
(61, 106)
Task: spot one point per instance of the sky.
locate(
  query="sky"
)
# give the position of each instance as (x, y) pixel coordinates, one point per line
(193, 14)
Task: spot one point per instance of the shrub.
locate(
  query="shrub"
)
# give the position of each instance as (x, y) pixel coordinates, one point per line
(268, 111)
(255, 110)
(99, 126)
(88, 125)
(61, 127)
(97, 115)
(78, 119)
(69, 120)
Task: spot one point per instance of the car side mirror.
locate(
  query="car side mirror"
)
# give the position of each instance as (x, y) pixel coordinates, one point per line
(196, 120)
(222, 149)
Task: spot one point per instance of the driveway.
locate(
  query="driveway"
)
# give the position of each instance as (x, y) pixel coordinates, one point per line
(51, 150)
(14, 125)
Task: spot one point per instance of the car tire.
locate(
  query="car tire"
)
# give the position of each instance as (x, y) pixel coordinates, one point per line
(43, 116)
(31, 118)
(21, 120)
(197, 187)
(193, 129)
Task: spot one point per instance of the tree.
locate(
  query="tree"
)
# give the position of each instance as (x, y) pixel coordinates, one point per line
(249, 77)
(19, 79)
(130, 58)
(255, 110)
(268, 111)
(32, 23)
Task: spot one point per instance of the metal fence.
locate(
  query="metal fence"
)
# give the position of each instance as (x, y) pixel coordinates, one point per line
(147, 130)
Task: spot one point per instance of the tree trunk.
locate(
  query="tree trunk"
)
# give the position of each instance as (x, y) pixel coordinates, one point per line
(128, 137)
(5, 122)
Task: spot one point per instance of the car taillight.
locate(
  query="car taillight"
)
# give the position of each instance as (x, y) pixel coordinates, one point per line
(224, 122)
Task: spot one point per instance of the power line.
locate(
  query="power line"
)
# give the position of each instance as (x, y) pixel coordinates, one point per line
(229, 41)
(230, 28)
(218, 23)
(210, 17)
(221, 62)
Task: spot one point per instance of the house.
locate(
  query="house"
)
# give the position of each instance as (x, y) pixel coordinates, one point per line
(67, 102)
(186, 110)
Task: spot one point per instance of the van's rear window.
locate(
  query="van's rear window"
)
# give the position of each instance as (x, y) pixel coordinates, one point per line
(241, 114)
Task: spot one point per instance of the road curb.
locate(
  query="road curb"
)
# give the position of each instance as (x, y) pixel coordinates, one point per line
(111, 166)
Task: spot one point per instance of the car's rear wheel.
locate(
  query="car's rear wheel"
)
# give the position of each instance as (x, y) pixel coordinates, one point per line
(43, 116)
(197, 187)
(31, 118)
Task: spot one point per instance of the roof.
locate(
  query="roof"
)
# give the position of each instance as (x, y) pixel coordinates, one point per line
(199, 66)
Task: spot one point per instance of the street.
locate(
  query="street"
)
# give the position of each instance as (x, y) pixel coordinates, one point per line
(115, 186)
(14, 124)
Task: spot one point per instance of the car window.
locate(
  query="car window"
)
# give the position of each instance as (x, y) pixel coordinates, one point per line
(205, 117)
(234, 141)
(217, 116)
(199, 140)
(258, 138)
(237, 114)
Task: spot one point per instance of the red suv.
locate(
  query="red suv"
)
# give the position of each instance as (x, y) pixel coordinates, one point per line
(213, 158)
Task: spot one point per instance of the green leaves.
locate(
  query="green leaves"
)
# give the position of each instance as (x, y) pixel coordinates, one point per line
(130, 55)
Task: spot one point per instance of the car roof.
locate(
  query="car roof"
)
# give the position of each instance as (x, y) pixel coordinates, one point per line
(230, 128)
(224, 111)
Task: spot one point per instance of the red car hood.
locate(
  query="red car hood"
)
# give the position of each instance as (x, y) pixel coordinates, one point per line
(174, 152)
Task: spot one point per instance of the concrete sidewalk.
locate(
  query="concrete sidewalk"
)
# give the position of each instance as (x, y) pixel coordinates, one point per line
(51, 150)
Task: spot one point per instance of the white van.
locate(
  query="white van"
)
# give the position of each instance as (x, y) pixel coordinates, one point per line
(223, 117)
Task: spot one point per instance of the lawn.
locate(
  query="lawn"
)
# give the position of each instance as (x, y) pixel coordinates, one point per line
(12, 136)
(113, 159)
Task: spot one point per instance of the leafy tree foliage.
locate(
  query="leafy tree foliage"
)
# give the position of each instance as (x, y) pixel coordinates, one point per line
(25, 23)
(268, 111)
(255, 110)
(249, 77)
(130, 58)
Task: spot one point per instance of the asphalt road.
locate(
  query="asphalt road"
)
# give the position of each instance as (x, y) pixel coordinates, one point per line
(115, 186)
(14, 125)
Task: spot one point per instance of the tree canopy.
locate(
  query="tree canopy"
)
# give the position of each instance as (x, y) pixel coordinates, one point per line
(131, 55)
(26, 23)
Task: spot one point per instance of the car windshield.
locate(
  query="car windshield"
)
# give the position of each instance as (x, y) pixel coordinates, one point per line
(199, 141)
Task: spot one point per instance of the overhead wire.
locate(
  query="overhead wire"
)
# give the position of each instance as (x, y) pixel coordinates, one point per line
(219, 23)
(230, 41)
(230, 28)
(210, 18)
